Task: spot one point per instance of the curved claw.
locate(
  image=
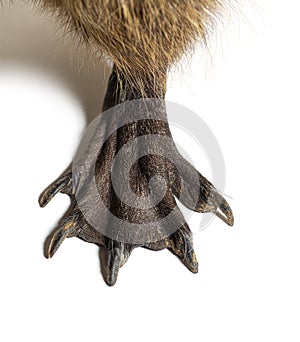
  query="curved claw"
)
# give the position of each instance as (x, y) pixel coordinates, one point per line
(69, 226)
(59, 235)
(218, 205)
(62, 184)
(112, 258)
(228, 214)
(110, 264)
(181, 244)
(203, 198)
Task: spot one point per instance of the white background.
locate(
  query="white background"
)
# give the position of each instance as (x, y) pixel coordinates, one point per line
(247, 288)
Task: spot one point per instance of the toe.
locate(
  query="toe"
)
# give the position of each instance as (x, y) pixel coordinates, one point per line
(60, 185)
(181, 245)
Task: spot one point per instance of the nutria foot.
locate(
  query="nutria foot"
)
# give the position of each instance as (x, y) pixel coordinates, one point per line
(123, 193)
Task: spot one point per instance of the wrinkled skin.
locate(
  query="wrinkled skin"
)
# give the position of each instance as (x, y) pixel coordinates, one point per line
(115, 241)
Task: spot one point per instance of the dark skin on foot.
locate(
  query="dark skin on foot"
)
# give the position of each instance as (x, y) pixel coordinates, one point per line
(115, 242)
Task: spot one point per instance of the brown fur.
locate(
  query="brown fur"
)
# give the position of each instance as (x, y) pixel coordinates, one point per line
(143, 38)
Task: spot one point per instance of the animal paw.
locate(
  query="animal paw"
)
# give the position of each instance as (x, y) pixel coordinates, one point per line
(122, 184)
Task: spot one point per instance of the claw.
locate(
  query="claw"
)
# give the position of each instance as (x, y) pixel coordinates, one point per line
(110, 264)
(182, 246)
(112, 259)
(208, 200)
(60, 185)
(228, 214)
(219, 206)
(69, 226)
(58, 237)
(56, 240)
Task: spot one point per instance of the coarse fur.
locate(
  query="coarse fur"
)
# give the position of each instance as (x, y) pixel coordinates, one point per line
(143, 38)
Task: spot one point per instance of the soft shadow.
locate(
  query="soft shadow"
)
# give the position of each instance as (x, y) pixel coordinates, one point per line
(30, 39)
(34, 39)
